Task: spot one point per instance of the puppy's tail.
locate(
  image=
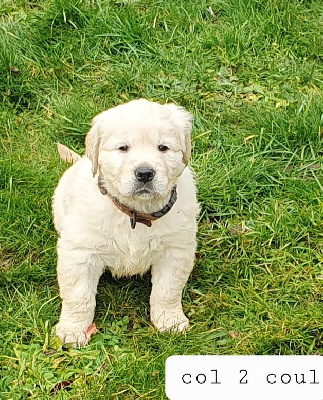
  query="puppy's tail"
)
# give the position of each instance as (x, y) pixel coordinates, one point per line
(67, 154)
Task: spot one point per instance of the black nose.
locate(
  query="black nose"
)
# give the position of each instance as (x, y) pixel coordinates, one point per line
(144, 174)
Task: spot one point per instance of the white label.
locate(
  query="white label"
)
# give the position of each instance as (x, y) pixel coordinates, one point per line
(244, 377)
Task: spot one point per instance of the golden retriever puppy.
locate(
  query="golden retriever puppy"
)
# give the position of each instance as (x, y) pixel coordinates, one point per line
(129, 205)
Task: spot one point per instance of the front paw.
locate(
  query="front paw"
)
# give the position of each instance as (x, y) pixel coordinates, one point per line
(72, 333)
(169, 320)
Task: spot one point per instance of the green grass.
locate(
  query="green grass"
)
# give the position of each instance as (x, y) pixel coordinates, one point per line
(251, 76)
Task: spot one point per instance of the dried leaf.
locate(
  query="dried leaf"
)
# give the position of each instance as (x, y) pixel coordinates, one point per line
(67, 154)
(314, 166)
(5, 265)
(91, 330)
(50, 352)
(239, 229)
(14, 70)
(61, 385)
(234, 334)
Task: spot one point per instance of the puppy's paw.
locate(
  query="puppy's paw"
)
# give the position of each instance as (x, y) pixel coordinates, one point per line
(74, 334)
(169, 320)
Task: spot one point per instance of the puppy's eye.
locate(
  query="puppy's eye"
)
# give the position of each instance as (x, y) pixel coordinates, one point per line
(124, 148)
(163, 148)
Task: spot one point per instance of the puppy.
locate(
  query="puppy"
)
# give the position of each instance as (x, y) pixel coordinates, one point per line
(129, 205)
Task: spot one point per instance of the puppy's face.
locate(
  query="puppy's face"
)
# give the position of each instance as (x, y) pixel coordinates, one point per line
(140, 148)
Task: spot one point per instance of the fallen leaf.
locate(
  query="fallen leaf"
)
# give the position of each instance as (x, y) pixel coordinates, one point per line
(239, 229)
(234, 334)
(91, 330)
(61, 385)
(5, 265)
(50, 352)
(314, 166)
(67, 154)
(14, 70)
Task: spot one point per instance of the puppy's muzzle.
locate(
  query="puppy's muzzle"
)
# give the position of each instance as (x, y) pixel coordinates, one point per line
(144, 174)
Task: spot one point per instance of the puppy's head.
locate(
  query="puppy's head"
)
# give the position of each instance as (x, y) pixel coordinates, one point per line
(140, 148)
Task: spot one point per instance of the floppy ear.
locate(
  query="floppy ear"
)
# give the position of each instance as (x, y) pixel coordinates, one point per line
(92, 143)
(183, 120)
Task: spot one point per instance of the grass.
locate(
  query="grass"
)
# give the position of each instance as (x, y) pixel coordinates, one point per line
(250, 73)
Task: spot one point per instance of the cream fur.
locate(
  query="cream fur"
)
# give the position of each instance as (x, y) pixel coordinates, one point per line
(94, 234)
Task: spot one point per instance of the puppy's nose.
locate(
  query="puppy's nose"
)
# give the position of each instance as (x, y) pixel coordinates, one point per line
(144, 174)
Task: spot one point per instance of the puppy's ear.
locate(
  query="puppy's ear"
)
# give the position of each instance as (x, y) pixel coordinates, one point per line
(183, 121)
(92, 143)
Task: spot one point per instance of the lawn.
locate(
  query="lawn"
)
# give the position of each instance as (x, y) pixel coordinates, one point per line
(250, 73)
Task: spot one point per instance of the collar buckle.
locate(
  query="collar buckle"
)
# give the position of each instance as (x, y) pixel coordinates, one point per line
(133, 219)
